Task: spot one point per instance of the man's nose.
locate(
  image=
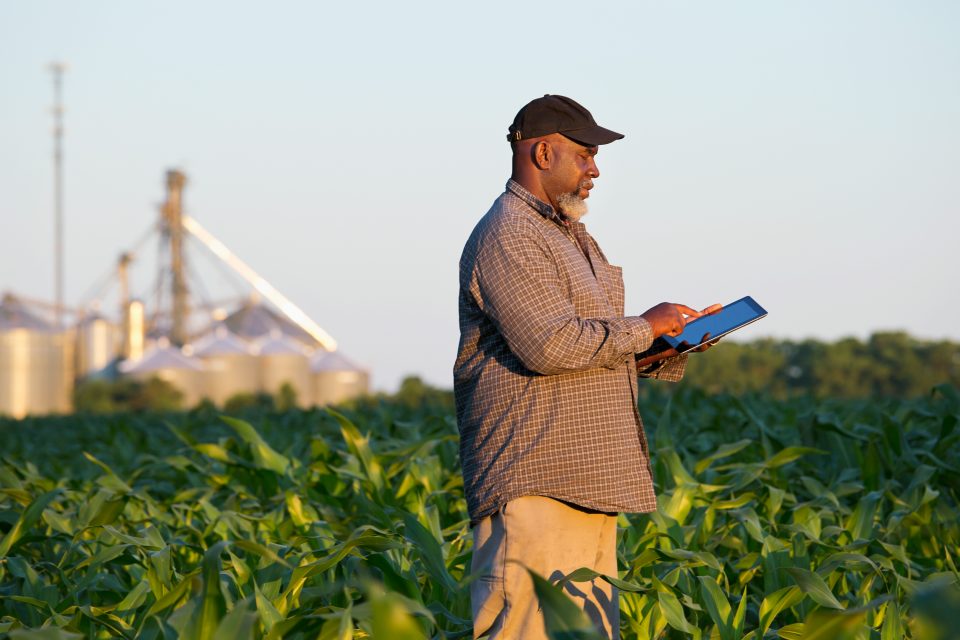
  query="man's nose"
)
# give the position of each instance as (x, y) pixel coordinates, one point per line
(592, 170)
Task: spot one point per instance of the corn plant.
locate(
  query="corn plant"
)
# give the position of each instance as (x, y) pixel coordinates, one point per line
(792, 519)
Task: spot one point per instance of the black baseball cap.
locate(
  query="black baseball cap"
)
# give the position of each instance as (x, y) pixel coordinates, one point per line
(559, 114)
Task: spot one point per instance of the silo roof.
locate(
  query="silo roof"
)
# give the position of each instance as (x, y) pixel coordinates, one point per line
(220, 342)
(91, 318)
(332, 361)
(162, 356)
(255, 320)
(277, 343)
(15, 315)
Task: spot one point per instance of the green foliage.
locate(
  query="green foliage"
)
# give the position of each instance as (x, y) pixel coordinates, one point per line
(887, 365)
(788, 519)
(126, 394)
(416, 394)
(562, 617)
(100, 396)
(243, 402)
(94, 396)
(286, 397)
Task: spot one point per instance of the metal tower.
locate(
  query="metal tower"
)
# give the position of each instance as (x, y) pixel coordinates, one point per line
(57, 69)
(173, 228)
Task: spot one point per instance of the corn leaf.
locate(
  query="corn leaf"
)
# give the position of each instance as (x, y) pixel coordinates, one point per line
(27, 519)
(562, 616)
(828, 625)
(264, 457)
(815, 587)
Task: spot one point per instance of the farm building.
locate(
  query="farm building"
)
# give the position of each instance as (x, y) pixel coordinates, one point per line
(259, 342)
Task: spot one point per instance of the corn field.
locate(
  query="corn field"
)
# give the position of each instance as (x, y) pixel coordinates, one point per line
(792, 519)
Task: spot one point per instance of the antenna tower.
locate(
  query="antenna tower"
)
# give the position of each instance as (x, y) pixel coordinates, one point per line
(58, 69)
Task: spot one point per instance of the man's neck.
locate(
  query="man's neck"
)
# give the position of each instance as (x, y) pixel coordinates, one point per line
(533, 186)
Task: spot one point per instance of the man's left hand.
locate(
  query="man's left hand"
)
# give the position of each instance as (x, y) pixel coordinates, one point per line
(714, 308)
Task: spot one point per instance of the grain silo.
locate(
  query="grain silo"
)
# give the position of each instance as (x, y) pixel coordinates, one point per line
(284, 360)
(39, 362)
(36, 363)
(169, 362)
(98, 342)
(336, 378)
(134, 330)
(230, 367)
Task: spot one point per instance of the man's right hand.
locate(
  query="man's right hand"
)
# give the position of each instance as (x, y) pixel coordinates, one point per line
(668, 318)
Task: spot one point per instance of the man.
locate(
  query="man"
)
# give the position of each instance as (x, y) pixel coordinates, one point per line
(551, 442)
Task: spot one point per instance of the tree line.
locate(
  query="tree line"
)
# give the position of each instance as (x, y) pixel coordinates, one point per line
(887, 364)
(890, 364)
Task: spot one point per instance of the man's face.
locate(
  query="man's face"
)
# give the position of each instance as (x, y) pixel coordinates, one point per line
(571, 175)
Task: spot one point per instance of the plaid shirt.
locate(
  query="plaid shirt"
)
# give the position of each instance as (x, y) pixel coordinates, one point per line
(546, 376)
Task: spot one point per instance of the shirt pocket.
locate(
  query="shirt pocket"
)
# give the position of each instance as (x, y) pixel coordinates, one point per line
(611, 279)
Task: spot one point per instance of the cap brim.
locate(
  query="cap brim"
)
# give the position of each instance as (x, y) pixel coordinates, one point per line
(592, 136)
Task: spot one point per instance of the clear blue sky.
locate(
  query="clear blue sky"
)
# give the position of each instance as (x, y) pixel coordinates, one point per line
(806, 153)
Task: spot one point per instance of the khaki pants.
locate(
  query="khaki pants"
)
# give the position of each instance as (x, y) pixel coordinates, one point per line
(551, 538)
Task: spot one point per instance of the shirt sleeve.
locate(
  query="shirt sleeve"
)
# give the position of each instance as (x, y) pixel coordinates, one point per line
(516, 284)
(669, 369)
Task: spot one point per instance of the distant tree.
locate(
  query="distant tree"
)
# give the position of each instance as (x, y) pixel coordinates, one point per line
(738, 368)
(94, 396)
(887, 364)
(414, 392)
(286, 397)
(155, 394)
(127, 394)
(942, 362)
(844, 369)
(899, 368)
(241, 402)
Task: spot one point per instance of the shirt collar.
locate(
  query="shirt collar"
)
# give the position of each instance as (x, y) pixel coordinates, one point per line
(538, 205)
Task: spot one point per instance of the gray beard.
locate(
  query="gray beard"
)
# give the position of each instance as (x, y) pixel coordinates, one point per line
(572, 206)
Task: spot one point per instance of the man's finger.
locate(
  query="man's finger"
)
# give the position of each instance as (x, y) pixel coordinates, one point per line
(707, 345)
(704, 344)
(712, 309)
(688, 311)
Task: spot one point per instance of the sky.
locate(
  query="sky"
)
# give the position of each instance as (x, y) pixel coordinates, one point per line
(804, 153)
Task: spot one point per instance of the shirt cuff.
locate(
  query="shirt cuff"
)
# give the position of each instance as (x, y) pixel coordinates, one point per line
(632, 334)
(669, 369)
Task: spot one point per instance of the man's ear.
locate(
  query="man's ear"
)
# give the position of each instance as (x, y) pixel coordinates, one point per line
(542, 155)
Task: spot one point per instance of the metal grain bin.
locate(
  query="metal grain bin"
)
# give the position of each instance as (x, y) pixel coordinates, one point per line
(336, 378)
(134, 331)
(170, 363)
(230, 367)
(36, 363)
(284, 360)
(98, 343)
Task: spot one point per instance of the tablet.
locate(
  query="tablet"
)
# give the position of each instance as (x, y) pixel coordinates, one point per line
(733, 316)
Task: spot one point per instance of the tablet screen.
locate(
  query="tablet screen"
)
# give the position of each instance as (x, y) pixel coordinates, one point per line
(732, 317)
